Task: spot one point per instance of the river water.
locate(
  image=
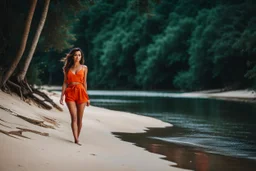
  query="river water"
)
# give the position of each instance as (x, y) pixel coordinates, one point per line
(218, 130)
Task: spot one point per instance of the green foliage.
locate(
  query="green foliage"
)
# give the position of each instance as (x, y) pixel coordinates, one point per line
(166, 55)
(148, 44)
(183, 80)
(33, 74)
(13, 15)
(58, 32)
(251, 73)
(144, 6)
(50, 66)
(215, 58)
(183, 44)
(115, 50)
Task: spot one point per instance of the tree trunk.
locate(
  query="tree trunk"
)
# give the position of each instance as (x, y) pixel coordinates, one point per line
(22, 44)
(23, 72)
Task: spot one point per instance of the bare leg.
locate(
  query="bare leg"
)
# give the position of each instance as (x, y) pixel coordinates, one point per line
(73, 113)
(80, 113)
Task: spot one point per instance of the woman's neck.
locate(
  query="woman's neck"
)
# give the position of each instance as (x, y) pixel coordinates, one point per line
(77, 64)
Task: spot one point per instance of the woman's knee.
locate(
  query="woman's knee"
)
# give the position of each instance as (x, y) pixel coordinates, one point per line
(80, 123)
(74, 119)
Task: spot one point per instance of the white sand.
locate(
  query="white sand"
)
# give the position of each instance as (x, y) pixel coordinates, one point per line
(243, 95)
(101, 150)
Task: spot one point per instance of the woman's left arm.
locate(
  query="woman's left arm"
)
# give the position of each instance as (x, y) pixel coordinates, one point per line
(85, 82)
(85, 77)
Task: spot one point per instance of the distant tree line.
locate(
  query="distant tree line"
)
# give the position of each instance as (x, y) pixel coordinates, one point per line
(137, 44)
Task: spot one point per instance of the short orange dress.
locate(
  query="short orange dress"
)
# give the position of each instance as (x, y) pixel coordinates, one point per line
(76, 92)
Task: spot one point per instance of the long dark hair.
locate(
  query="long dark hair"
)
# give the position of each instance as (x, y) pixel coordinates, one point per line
(69, 59)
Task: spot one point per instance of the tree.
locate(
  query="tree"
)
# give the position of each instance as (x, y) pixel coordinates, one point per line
(166, 55)
(23, 44)
(22, 73)
(20, 86)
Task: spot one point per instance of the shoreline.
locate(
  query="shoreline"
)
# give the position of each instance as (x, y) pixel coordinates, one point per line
(241, 95)
(245, 95)
(29, 146)
(188, 156)
(32, 138)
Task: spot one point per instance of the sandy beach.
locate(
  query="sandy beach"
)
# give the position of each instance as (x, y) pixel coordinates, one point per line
(32, 138)
(27, 145)
(242, 95)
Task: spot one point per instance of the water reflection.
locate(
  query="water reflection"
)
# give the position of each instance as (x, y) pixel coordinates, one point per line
(187, 157)
(205, 132)
(222, 126)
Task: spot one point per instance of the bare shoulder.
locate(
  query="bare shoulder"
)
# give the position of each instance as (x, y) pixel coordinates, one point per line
(85, 67)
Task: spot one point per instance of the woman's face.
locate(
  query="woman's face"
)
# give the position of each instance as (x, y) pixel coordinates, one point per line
(77, 56)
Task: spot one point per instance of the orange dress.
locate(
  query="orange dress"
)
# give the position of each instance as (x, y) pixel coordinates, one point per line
(76, 92)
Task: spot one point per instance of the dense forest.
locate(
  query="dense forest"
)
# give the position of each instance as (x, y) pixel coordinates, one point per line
(138, 44)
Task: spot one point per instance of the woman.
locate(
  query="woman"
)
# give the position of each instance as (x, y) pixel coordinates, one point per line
(74, 89)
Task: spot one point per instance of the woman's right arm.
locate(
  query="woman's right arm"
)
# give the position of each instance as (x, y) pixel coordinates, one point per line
(64, 86)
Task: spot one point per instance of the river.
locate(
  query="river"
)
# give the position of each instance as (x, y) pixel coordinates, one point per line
(219, 130)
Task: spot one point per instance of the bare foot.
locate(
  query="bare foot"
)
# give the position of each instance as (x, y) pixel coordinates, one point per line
(77, 142)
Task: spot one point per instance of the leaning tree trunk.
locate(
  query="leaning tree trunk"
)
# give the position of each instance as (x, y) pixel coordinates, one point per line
(23, 72)
(21, 86)
(23, 43)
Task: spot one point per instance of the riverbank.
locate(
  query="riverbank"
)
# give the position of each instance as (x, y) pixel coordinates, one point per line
(243, 95)
(36, 139)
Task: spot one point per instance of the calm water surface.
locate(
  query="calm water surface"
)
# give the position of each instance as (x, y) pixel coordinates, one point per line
(213, 132)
